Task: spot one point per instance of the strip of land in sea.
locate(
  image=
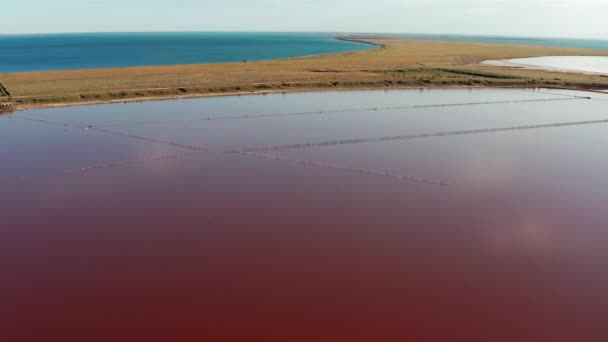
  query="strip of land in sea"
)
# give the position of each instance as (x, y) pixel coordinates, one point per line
(395, 64)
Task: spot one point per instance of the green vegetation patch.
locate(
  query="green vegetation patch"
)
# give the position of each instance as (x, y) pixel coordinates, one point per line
(478, 73)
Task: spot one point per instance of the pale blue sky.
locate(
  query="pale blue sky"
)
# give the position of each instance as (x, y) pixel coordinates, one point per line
(557, 18)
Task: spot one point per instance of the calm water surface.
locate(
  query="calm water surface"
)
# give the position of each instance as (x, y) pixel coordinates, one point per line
(140, 222)
(105, 50)
(591, 64)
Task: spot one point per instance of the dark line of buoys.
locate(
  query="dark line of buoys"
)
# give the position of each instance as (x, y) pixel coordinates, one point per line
(190, 147)
(102, 130)
(415, 136)
(558, 94)
(365, 172)
(132, 162)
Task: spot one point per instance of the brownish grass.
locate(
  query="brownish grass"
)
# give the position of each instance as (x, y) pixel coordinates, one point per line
(398, 64)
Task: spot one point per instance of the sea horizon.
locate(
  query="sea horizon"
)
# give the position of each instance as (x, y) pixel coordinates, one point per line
(337, 33)
(95, 50)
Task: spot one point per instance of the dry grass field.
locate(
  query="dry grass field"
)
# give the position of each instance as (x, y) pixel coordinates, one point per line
(397, 64)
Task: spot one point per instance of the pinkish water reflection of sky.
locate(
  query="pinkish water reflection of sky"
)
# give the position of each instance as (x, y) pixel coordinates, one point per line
(442, 215)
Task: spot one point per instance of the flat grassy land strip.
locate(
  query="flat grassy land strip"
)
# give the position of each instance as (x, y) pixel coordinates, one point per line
(397, 64)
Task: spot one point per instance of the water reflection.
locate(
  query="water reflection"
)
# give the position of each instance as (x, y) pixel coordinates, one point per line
(216, 246)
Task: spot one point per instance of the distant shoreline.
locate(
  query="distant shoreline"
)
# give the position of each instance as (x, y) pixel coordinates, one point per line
(397, 64)
(187, 40)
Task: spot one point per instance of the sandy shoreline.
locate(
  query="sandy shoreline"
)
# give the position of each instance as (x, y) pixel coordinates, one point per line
(236, 94)
(282, 91)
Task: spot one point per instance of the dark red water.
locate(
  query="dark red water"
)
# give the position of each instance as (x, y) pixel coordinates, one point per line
(135, 230)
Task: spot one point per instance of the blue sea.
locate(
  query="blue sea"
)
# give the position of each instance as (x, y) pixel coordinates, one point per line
(104, 50)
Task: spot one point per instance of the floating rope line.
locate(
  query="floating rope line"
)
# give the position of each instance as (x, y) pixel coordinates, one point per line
(131, 162)
(559, 94)
(592, 97)
(97, 129)
(258, 116)
(364, 172)
(78, 124)
(414, 136)
(55, 123)
(85, 169)
(170, 143)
